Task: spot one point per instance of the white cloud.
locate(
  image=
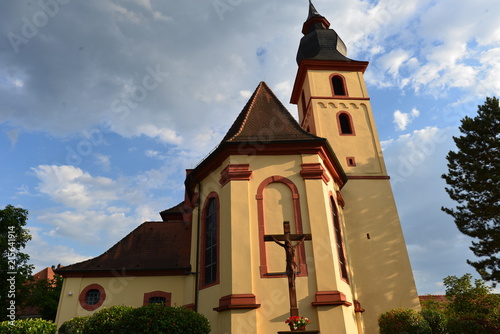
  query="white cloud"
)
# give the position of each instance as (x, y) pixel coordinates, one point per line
(392, 61)
(98, 210)
(283, 89)
(403, 119)
(164, 134)
(45, 254)
(103, 160)
(245, 93)
(76, 189)
(151, 153)
(89, 227)
(415, 155)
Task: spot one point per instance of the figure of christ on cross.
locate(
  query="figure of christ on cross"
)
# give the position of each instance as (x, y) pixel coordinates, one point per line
(285, 240)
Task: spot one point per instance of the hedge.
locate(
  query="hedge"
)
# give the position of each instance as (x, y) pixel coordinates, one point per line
(74, 326)
(436, 320)
(105, 320)
(406, 321)
(156, 318)
(28, 326)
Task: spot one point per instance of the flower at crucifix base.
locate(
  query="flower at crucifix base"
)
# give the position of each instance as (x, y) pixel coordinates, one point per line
(296, 322)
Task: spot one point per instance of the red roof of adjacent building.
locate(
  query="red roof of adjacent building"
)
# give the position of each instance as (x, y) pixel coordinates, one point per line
(47, 273)
(161, 247)
(435, 298)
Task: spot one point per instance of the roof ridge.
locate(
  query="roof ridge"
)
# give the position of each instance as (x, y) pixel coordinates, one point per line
(248, 107)
(263, 119)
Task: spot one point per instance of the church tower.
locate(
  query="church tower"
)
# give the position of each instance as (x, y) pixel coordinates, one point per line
(333, 103)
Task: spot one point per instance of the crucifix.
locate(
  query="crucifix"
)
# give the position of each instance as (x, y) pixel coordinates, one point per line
(286, 241)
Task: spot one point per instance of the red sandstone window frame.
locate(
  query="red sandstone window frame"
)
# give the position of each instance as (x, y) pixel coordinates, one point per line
(350, 124)
(213, 195)
(83, 296)
(339, 241)
(301, 253)
(342, 83)
(157, 293)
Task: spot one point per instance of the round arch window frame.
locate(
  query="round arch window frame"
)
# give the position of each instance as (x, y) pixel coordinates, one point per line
(82, 298)
(158, 293)
(343, 84)
(350, 123)
(203, 284)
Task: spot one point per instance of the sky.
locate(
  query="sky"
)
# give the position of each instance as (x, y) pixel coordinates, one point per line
(105, 103)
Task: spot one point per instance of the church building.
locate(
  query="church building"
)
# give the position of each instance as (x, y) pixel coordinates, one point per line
(220, 251)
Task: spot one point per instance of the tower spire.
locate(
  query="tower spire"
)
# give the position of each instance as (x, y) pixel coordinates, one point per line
(319, 42)
(312, 11)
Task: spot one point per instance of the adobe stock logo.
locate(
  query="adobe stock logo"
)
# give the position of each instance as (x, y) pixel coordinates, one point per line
(222, 6)
(30, 27)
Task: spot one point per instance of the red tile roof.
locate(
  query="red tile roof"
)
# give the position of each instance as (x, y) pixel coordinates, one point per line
(264, 119)
(46, 273)
(435, 298)
(173, 214)
(152, 246)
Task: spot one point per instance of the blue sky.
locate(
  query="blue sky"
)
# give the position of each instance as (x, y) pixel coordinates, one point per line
(104, 104)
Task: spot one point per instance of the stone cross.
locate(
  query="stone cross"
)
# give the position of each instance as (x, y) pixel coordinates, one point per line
(286, 241)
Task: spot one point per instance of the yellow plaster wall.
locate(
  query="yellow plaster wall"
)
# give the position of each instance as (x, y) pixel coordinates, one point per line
(120, 291)
(379, 258)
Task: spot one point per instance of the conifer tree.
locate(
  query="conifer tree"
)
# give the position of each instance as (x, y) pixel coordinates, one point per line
(473, 181)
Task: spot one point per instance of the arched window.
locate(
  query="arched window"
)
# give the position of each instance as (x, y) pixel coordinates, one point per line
(157, 297)
(157, 300)
(210, 242)
(345, 124)
(338, 85)
(339, 242)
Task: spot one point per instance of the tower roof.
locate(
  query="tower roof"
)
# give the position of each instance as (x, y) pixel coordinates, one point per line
(264, 119)
(319, 42)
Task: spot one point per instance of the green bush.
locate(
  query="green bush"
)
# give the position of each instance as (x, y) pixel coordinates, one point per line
(156, 318)
(466, 326)
(28, 326)
(74, 326)
(471, 307)
(105, 320)
(436, 320)
(403, 321)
